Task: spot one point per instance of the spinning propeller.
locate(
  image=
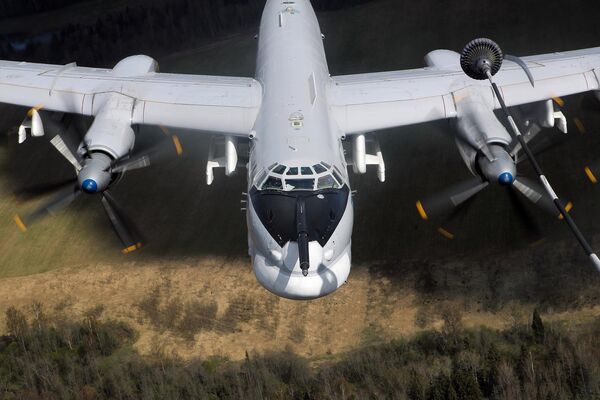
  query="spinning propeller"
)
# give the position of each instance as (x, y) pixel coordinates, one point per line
(95, 173)
(589, 103)
(482, 59)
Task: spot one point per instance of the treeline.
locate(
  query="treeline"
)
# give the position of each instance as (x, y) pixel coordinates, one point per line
(53, 358)
(15, 8)
(154, 28)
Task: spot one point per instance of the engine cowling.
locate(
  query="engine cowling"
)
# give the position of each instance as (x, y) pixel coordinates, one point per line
(135, 66)
(477, 127)
(111, 131)
(109, 138)
(446, 60)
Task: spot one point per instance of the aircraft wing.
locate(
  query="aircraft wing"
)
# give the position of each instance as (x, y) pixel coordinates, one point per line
(368, 102)
(209, 103)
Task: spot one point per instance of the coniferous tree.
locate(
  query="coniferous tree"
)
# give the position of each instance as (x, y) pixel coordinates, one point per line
(415, 387)
(464, 380)
(438, 390)
(491, 370)
(452, 395)
(537, 326)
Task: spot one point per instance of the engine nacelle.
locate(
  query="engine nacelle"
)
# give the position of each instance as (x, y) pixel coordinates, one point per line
(477, 127)
(445, 60)
(135, 66)
(111, 131)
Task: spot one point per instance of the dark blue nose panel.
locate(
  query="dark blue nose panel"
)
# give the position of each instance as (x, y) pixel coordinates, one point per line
(89, 186)
(506, 179)
(278, 211)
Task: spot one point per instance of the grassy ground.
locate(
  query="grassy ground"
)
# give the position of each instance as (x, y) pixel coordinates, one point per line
(404, 272)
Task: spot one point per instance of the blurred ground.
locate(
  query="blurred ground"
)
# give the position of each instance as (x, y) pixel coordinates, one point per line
(405, 274)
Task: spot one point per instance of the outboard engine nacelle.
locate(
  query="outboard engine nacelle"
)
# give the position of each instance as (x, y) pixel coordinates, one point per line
(445, 60)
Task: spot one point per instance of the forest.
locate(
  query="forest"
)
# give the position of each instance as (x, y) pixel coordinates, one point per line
(14, 8)
(155, 28)
(52, 357)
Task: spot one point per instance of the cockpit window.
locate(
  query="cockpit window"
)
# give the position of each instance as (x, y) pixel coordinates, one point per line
(300, 184)
(319, 169)
(337, 175)
(327, 182)
(272, 183)
(279, 177)
(280, 169)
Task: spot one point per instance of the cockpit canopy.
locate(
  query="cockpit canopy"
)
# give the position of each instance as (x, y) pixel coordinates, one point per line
(280, 177)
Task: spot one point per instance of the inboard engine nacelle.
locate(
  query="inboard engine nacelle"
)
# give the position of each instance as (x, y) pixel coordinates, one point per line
(111, 132)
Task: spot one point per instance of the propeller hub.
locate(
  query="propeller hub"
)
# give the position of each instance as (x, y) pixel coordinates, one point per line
(95, 175)
(89, 186)
(501, 169)
(506, 179)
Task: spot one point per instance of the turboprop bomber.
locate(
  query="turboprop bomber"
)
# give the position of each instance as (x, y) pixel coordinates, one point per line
(296, 129)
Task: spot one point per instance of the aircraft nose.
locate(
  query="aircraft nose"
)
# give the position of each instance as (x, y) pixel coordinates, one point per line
(289, 282)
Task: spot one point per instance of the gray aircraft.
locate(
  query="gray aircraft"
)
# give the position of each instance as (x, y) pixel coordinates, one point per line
(302, 128)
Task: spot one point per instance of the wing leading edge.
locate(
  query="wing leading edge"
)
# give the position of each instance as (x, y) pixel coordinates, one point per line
(206, 103)
(369, 102)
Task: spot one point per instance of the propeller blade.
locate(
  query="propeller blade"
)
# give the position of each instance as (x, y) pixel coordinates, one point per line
(589, 102)
(41, 190)
(124, 229)
(453, 223)
(149, 157)
(546, 143)
(535, 193)
(532, 228)
(450, 198)
(592, 172)
(62, 147)
(62, 200)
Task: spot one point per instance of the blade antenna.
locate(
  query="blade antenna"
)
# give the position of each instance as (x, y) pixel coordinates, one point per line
(481, 59)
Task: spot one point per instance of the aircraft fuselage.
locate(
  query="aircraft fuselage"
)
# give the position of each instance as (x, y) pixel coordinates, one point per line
(300, 213)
